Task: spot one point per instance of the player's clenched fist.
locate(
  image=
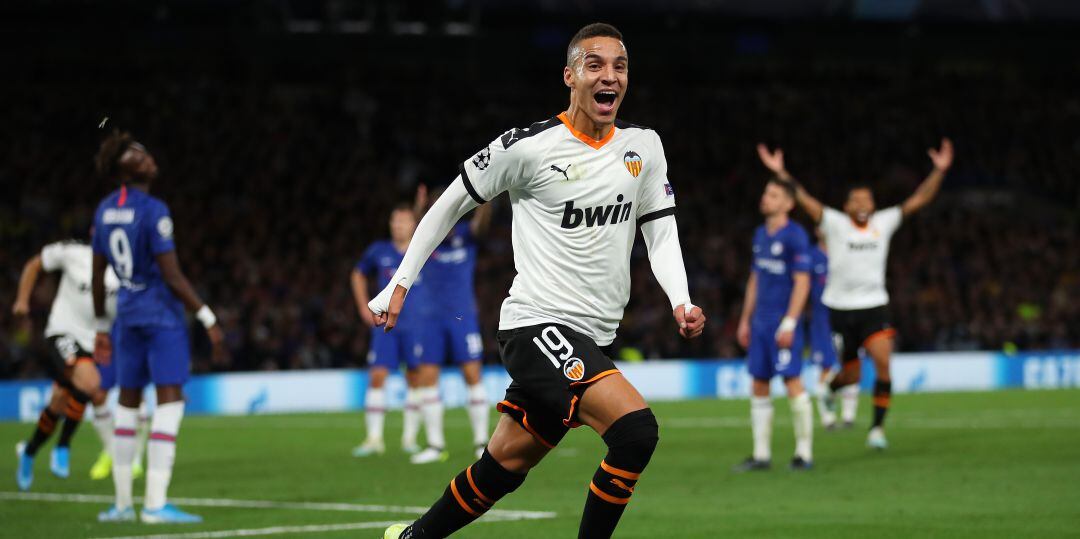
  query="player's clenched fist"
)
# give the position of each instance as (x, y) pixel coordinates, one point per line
(691, 320)
(386, 307)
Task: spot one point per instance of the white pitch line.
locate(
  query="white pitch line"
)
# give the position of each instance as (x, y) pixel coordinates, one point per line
(266, 504)
(273, 530)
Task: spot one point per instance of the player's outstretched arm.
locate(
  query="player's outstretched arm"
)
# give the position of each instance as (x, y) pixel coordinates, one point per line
(432, 230)
(359, 284)
(785, 334)
(928, 189)
(665, 257)
(749, 304)
(27, 280)
(102, 343)
(174, 277)
(774, 161)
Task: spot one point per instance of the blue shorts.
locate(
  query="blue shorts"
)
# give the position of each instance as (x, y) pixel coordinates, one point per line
(108, 374)
(402, 345)
(766, 359)
(145, 354)
(822, 347)
(456, 338)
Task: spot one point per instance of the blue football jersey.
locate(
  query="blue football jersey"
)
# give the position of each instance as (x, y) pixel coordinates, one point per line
(450, 272)
(819, 262)
(777, 258)
(380, 261)
(131, 228)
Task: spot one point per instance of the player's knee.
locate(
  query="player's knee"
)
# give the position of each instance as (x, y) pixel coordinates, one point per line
(631, 440)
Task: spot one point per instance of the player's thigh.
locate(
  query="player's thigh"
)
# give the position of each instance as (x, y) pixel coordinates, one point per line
(169, 355)
(130, 356)
(608, 399)
(515, 448)
(383, 349)
(85, 376)
(465, 341)
(761, 355)
(789, 361)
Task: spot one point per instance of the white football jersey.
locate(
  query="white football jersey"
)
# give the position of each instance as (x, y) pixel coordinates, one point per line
(577, 204)
(72, 310)
(857, 258)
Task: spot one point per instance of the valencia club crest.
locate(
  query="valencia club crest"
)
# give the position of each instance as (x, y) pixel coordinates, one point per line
(633, 163)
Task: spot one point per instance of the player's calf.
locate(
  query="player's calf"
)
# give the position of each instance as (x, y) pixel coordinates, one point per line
(631, 441)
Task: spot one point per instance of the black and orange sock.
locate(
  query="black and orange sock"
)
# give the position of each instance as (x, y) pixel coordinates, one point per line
(469, 496)
(73, 414)
(45, 426)
(882, 398)
(631, 441)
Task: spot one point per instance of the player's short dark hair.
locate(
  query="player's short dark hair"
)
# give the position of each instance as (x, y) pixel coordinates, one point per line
(107, 160)
(788, 187)
(857, 187)
(596, 29)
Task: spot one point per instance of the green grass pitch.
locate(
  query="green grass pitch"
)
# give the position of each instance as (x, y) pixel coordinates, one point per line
(978, 465)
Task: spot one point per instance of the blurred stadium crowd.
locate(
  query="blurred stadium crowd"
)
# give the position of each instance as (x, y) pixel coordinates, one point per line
(277, 183)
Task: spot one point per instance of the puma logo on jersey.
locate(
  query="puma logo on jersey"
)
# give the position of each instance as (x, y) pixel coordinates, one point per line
(562, 170)
(596, 216)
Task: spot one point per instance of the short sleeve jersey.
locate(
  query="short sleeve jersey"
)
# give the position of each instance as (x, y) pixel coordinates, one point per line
(450, 273)
(857, 258)
(379, 261)
(777, 258)
(72, 311)
(577, 203)
(131, 228)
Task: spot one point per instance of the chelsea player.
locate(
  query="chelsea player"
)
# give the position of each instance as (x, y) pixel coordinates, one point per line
(133, 233)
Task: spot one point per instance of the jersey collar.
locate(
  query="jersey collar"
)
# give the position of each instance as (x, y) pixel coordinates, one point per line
(595, 144)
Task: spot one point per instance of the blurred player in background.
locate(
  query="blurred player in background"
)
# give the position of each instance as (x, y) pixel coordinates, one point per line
(133, 233)
(857, 240)
(821, 343)
(391, 350)
(580, 187)
(770, 326)
(77, 380)
(455, 329)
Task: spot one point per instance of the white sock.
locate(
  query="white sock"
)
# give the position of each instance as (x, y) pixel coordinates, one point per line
(123, 453)
(761, 416)
(142, 434)
(802, 416)
(827, 417)
(161, 453)
(412, 418)
(103, 425)
(849, 402)
(432, 409)
(478, 413)
(374, 413)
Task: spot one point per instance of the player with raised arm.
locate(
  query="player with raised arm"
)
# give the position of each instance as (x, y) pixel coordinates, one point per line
(455, 329)
(770, 326)
(133, 233)
(77, 380)
(580, 185)
(858, 244)
(390, 350)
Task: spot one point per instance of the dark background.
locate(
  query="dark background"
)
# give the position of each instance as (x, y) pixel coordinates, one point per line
(285, 130)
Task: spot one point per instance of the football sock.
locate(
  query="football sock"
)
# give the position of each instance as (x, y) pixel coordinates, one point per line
(821, 395)
(432, 409)
(882, 396)
(412, 417)
(103, 425)
(849, 403)
(161, 452)
(45, 426)
(142, 433)
(374, 413)
(802, 416)
(631, 441)
(469, 496)
(124, 453)
(478, 413)
(761, 417)
(73, 414)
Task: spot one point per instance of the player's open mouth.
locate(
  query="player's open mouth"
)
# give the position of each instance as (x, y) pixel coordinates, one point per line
(605, 100)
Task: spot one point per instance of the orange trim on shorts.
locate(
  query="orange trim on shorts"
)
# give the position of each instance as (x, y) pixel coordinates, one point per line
(887, 332)
(525, 422)
(461, 501)
(595, 144)
(468, 475)
(607, 497)
(604, 374)
(569, 421)
(621, 473)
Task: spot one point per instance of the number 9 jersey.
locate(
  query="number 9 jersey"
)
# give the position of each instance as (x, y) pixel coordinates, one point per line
(131, 228)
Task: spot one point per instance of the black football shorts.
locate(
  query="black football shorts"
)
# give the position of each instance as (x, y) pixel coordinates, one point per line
(853, 329)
